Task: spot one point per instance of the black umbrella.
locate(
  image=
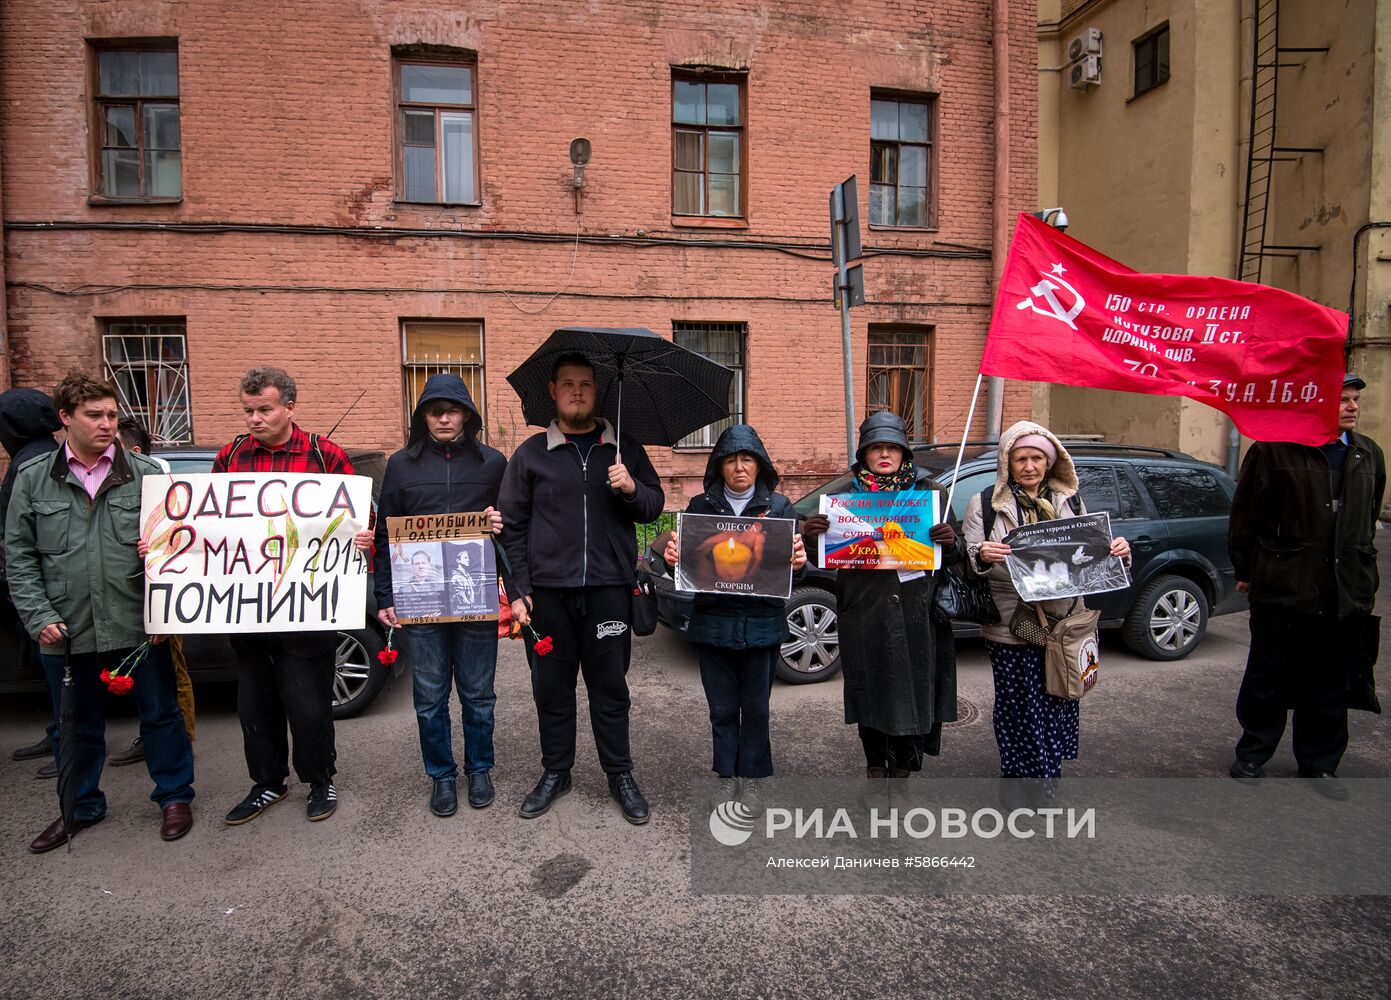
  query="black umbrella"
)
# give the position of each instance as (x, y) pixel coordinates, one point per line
(67, 742)
(670, 390)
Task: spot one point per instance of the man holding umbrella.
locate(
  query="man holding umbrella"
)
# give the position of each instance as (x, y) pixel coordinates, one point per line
(78, 581)
(571, 498)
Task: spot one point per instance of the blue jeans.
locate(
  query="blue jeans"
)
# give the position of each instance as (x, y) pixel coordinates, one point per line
(466, 654)
(168, 753)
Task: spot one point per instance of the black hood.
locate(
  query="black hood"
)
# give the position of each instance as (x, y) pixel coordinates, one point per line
(450, 387)
(740, 437)
(26, 415)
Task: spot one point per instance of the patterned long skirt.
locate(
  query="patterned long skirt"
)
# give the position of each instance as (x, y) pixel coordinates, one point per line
(1034, 730)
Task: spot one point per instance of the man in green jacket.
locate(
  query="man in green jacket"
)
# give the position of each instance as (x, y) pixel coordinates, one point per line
(75, 577)
(1301, 538)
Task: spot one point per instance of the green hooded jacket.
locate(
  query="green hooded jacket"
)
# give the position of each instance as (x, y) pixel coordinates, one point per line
(72, 558)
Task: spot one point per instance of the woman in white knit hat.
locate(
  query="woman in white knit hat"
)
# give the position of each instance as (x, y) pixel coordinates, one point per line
(1035, 481)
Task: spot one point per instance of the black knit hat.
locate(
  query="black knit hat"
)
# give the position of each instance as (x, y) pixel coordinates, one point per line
(883, 427)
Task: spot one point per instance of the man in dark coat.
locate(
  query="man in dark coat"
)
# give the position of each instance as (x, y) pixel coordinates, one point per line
(572, 497)
(738, 638)
(445, 469)
(1301, 538)
(28, 422)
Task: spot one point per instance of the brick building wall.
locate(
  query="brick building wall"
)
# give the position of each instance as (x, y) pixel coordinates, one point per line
(288, 120)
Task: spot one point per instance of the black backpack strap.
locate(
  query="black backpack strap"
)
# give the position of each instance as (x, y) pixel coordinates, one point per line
(317, 452)
(987, 512)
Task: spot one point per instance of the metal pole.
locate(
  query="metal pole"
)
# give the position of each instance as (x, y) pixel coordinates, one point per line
(970, 415)
(844, 287)
(994, 406)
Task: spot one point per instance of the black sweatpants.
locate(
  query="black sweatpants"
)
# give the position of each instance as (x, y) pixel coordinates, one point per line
(287, 677)
(590, 627)
(1296, 662)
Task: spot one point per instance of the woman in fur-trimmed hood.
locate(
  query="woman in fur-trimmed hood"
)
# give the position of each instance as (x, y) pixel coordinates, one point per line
(1035, 481)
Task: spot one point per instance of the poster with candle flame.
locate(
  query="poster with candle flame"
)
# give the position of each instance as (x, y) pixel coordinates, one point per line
(746, 556)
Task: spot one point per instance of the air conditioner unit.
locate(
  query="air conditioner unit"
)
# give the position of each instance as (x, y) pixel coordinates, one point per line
(1085, 73)
(1088, 43)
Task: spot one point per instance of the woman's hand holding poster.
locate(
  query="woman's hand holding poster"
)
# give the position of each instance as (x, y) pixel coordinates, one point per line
(886, 530)
(254, 552)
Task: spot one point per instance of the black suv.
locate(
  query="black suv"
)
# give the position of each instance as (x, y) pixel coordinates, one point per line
(1172, 507)
(358, 678)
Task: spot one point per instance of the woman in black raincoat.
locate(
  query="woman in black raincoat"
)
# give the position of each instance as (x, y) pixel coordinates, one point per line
(738, 637)
(898, 656)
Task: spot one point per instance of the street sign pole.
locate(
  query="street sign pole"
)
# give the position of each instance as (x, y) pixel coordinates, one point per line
(843, 289)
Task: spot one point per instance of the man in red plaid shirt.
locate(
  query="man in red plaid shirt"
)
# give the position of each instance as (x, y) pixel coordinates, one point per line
(284, 676)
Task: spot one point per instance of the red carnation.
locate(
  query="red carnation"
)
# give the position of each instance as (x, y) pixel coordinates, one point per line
(387, 657)
(543, 646)
(106, 677)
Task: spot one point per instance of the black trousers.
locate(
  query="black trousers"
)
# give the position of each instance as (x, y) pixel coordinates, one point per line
(287, 677)
(590, 627)
(900, 753)
(1296, 662)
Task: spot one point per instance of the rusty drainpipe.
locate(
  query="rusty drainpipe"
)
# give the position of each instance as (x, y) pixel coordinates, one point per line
(999, 243)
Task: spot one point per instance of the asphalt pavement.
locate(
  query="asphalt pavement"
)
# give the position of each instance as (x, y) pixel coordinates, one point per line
(385, 900)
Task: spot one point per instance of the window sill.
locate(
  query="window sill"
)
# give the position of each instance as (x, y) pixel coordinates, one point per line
(100, 199)
(692, 449)
(438, 204)
(1135, 97)
(709, 222)
(879, 227)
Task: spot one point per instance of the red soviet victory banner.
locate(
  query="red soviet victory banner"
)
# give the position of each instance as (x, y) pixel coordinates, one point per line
(1270, 359)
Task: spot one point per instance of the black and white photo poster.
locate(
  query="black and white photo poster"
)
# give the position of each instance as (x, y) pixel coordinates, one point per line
(1065, 558)
(443, 568)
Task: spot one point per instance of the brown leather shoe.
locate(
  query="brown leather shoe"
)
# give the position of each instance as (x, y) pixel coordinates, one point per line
(178, 820)
(57, 834)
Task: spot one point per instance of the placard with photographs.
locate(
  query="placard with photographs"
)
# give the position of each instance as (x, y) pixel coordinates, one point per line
(1069, 557)
(443, 568)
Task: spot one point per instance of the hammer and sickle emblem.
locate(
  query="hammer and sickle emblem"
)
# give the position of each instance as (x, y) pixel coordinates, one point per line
(1047, 289)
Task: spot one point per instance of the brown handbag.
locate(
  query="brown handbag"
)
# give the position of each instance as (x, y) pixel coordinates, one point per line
(1071, 656)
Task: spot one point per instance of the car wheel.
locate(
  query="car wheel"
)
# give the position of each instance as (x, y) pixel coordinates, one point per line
(357, 675)
(813, 651)
(1167, 620)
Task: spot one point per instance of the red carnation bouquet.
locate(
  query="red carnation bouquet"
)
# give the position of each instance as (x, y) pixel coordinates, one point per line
(388, 656)
(120, 681)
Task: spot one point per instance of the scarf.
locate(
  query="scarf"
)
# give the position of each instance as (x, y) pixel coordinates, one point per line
(1032, 509)
(868, 482)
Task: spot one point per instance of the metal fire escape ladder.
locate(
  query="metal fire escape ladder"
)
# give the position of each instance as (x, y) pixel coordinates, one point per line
(1261, 155)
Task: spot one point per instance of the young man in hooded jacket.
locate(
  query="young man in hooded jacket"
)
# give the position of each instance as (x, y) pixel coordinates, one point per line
(738, 638)
(445, 469)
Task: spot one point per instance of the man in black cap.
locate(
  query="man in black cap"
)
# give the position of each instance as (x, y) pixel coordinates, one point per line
(1301, 540)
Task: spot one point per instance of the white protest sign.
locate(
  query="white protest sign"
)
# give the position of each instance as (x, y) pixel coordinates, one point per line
(254, 552)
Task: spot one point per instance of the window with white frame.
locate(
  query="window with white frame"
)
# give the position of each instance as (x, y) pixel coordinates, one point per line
(431, 347)
(147, 361)
(722, 343)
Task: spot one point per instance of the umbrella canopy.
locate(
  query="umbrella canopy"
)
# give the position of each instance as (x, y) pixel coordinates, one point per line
(67, 742)
(651, 389)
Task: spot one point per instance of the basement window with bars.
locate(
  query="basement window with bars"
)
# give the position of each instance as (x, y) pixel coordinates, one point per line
(1151, 60)
(433, 347)
(147, 361)
(722, 343)
(897, 374)
(137, 123)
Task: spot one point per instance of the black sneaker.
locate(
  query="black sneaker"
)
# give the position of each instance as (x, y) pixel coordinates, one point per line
(257, 801)
(134, 754)
(323, 800)
(625, 790)
(553, 785)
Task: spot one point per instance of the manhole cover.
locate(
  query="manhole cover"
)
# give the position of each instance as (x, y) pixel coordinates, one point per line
(966, 713)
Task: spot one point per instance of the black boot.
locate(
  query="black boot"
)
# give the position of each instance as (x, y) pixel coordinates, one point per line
(444, 799)
(625, 790)
(553, 785)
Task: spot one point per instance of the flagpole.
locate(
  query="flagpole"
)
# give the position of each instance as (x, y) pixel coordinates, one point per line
(965, 433)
